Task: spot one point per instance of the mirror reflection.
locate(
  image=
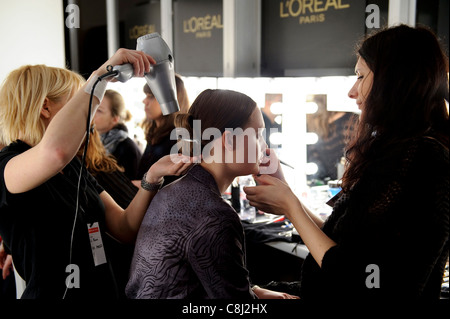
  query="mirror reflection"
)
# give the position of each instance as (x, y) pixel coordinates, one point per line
(329, 133)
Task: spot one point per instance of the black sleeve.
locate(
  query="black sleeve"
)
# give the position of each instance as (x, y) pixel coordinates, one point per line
(128, 156)
(94, 183)
(399, 224)
(4, 193)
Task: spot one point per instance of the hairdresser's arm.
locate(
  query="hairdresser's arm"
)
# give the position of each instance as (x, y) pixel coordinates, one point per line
(65, 132)
(124, 224)
(272, 195)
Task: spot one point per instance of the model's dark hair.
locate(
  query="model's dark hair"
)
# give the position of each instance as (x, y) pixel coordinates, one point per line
(407, 98)
(221, 109)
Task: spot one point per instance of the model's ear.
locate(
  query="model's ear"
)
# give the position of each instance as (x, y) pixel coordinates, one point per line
(45, 110)
(228, 141)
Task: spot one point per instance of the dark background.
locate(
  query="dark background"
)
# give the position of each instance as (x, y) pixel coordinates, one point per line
(287, 47)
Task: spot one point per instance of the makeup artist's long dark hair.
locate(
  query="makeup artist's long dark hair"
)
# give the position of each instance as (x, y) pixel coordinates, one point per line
(407, 99)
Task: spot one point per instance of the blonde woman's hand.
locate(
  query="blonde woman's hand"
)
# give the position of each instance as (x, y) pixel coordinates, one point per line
(170, 165)
(141, 62)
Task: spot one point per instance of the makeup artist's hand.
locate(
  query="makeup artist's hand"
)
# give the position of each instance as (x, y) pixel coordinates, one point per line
(271, 165)
(271, 195)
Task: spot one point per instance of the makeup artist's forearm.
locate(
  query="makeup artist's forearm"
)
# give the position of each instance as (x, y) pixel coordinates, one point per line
(316, 219)
(314, 238)
(294, 201)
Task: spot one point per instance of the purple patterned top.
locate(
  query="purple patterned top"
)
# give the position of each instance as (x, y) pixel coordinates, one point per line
(190, 245)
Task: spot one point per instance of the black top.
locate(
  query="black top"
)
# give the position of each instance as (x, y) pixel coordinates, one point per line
(396, 218)
(127, 153)
(122, 191)
(116, 184)
(153, 153)
(190, 245)
(37, 226)
(128, 156)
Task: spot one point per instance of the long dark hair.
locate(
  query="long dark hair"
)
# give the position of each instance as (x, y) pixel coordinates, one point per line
(407, 98)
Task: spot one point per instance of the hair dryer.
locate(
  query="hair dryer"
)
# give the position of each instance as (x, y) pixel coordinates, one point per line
(161, 78)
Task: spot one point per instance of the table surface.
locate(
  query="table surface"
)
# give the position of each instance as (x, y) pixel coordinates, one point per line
(259, 230)
(295, 249)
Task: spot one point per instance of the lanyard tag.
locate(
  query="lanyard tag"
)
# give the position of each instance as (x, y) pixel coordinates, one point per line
(98, 251)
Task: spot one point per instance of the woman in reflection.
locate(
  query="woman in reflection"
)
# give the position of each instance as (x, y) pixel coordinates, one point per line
(388, 235)
(191, 242)
(332, 129)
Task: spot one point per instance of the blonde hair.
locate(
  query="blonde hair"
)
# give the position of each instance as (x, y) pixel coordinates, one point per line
(97, 159)
(22, 96)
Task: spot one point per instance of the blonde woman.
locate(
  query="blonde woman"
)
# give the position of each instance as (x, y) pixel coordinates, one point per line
(45, 225)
